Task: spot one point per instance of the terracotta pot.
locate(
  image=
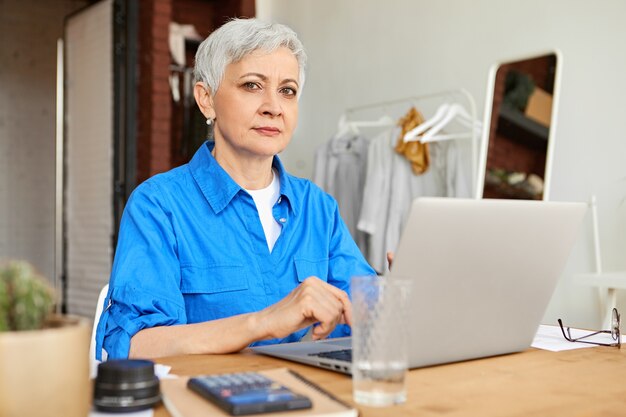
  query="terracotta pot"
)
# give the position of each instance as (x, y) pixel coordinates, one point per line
(46, 372)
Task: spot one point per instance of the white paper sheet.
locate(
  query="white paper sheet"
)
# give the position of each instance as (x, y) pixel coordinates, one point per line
(551, 338)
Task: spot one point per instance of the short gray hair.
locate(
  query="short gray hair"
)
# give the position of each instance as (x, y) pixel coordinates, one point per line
(238, 38)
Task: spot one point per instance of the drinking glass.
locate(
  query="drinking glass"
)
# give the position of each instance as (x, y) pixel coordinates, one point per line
(379, 339)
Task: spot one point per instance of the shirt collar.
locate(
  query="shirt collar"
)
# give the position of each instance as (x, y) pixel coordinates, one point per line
(219, 188)
(286, 190)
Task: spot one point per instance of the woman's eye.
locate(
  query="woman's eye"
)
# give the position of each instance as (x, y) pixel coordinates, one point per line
(288, 91)
(251, 85)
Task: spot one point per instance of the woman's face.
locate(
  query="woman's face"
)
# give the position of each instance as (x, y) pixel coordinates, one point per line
(256, 108)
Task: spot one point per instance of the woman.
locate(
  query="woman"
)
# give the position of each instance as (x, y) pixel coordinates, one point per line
(229, 250)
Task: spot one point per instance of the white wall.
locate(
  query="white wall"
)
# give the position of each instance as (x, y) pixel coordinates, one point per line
(364, 51)
(29, 30)
(89, 155)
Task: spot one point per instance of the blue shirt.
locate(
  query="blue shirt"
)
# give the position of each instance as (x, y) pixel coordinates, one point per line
(191, 248)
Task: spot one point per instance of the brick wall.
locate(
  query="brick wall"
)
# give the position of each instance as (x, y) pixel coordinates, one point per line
(199, 13)
(154, 103)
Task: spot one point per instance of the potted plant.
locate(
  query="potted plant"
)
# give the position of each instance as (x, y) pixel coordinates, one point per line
(44, 363)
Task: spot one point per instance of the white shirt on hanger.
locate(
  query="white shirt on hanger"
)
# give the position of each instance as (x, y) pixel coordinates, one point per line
(391, 186)
(339, 169)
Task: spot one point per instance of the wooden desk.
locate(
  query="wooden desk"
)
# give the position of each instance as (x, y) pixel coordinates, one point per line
(583, 382)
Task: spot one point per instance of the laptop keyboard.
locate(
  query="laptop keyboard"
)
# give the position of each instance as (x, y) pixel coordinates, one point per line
(340, 355)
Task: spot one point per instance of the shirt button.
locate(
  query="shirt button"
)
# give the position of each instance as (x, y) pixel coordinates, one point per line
(280, 199)
(282, 220)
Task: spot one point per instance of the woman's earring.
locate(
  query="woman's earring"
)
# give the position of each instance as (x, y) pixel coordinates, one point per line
(209, 122)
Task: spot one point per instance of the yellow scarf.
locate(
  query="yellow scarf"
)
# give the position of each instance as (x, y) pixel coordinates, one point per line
(416, 152)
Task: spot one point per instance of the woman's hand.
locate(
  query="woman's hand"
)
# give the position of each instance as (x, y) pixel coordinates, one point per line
(390, 258)
(313, 301)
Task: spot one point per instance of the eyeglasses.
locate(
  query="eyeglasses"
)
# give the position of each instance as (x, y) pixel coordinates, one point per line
(615, 334)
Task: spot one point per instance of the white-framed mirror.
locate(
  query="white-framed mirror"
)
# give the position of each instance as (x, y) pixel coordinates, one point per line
(519, 128)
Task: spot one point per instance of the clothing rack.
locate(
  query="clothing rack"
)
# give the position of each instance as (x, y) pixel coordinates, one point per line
(453, 94)
(180, 68)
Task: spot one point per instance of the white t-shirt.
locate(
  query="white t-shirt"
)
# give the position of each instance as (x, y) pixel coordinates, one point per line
(264, 200)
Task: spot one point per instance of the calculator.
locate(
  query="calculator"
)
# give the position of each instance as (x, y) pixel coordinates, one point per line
(246, 393)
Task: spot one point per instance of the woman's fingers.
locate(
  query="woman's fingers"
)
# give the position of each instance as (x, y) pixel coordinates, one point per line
(332, 308)
(390, 258)
(346, 305)
(323, 301)
(313, 301)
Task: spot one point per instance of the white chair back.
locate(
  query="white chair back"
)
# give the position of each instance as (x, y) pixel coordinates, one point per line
(92, 348)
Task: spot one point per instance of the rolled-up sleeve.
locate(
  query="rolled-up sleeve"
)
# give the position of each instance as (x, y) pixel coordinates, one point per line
(144, 289)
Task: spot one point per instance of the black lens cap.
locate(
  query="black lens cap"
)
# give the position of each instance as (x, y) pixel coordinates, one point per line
(126, 385)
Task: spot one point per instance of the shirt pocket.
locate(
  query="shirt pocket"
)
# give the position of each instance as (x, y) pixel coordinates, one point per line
(213, 279)
(311, 267)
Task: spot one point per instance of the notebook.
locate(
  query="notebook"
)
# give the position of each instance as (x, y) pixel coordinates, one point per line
(180, 401)
(483, 273)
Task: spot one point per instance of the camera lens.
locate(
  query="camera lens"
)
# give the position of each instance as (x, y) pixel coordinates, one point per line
(126, 385)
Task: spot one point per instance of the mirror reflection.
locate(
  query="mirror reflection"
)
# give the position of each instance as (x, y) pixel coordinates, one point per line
(517, 161)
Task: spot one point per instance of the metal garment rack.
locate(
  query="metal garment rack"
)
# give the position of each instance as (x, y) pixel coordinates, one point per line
(451, 95)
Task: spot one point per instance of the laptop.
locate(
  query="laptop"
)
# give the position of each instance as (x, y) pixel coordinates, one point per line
(483, 273)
